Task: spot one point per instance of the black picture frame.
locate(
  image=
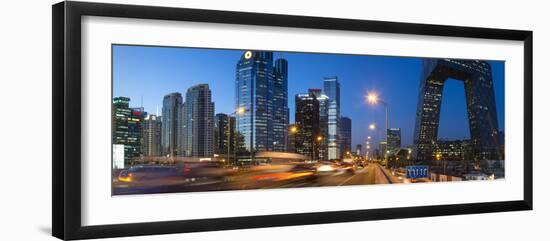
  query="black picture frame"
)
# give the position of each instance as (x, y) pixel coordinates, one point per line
(66, 127)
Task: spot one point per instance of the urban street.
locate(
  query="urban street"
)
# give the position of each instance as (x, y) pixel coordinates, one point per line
(257, 177)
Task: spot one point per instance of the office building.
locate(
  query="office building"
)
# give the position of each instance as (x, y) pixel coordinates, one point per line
(393, 140)
(152, 127)
(171, 126)
(308, 135)
(480, 104)
(345, 135)
(261, 89)
(280, 105)
(323, 121)
(331, 87)
(224, 137)
(197, 115)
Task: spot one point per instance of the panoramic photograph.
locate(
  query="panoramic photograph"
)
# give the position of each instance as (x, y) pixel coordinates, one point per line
(203, 119)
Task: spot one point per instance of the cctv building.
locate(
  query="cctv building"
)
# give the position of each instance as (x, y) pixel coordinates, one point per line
(480, 104)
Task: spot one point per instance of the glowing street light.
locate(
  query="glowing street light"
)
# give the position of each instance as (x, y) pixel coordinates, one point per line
(293, 129)
(373, 99)
(372, 127)
(240, 110)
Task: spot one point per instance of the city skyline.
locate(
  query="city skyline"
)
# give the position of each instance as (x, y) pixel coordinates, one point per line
(147, 74)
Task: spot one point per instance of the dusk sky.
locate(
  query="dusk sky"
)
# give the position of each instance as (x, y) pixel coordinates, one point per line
(149, 73)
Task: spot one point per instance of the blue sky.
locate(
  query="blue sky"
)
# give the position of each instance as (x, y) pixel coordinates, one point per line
(148, 73)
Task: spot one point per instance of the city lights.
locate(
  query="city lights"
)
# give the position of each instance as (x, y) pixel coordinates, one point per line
(258, 127)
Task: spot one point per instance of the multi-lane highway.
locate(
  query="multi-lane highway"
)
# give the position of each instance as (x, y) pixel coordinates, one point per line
(178, 179)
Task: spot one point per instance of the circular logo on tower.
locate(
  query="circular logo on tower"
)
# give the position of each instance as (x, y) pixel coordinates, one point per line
(248, 55)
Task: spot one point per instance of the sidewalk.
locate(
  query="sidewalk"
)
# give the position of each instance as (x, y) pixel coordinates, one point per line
(384, 176)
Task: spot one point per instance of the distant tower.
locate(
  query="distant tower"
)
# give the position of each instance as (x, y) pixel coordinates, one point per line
(358, 149)
(393, 140)
(198, 122)
(280, 104)
(171, 105)
(152, 136)
(224, 138)
(345, 135)
(331, 87)
(323, 121)
(308, 138)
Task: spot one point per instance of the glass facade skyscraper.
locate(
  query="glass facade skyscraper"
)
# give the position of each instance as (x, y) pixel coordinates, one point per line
(307, 123)
(323, 121)
(345, 135)
(261, 90)
(197, 116)
(224, 138)
(171, 106)
(480, 104)
(280, 104)
(331, 87)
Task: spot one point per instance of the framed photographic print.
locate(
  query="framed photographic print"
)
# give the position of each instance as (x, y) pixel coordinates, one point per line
(169, 120)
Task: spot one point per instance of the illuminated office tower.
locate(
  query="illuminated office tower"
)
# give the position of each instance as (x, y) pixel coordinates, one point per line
(331, 87)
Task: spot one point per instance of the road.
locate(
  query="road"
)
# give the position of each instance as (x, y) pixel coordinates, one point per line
(257, 178)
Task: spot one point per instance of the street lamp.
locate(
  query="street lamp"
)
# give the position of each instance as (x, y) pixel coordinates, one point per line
(372, 127)
(373, 99)
(293, 129)
(319, 139)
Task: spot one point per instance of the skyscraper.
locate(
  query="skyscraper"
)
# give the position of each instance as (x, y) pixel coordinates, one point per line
(128, 128)
(359, 149)
(261, 89)
(198, 122)
(121, 134)
(152, 136)
(253, 91)
(171, 106)
(307, 122)
(393, 140)
(480, 104)
(331, 87)
(121, 114)
(280, 104)
(323, 121)
(345, 135)
(382, 148)
(224, 138)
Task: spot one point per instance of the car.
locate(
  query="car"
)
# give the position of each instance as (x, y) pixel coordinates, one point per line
(145, 173)
(347, 167)
(326, 168)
